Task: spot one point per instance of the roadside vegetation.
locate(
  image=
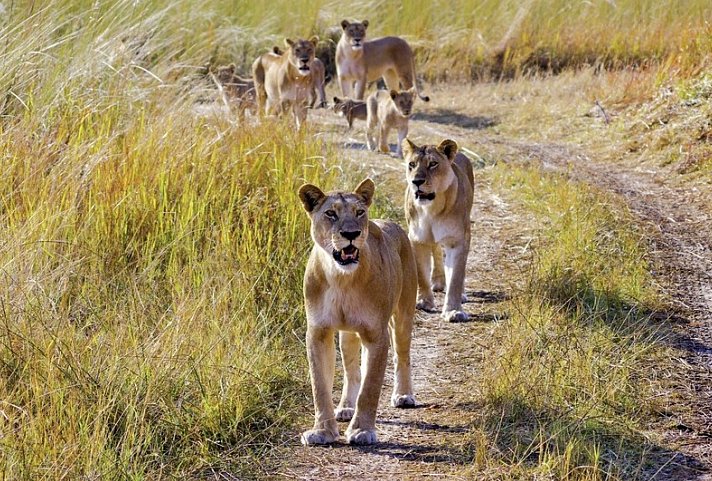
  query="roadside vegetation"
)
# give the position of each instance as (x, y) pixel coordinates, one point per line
(151, 317)
(568, 389)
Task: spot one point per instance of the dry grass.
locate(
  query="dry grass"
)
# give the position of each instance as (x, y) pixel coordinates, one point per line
(150, 313)
(569, 387)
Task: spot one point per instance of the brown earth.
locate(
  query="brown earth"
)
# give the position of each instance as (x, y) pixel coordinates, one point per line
(431, 441)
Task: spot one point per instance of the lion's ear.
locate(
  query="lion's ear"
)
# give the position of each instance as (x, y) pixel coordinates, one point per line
(337, 100)
(288, 42)
(408, 147)
(345, 24)
(365, 24)
(394, 94)
(314, 40)
(276, 50)
(366, 189)
(448, 148)
(311, 196)
(231, 68)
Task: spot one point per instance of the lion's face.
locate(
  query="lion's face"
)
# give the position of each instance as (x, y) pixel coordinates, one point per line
(301, 53)
(354, 33)
(429, 168)
(404, 100)
(225, 74)
(339, 221)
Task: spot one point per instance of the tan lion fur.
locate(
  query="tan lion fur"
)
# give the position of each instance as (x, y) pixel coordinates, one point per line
(350, 109)
(360, 280)
(386, 111)
(238, 93)
(283, 82)
(318, 76)
(438, 201)
(359, 61)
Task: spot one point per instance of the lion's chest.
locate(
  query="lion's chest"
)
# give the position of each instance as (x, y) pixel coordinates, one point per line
(350, 67)
(342, 309)
(427, 228)
(295, 90)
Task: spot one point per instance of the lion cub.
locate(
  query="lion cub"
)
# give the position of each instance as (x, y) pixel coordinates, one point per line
(350, 109)
(360, 280)
(237, 92)
(437, 207)
(387, 110)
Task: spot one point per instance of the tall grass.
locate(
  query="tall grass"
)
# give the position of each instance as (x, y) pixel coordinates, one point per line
(151, 257)
(569, 386)
(151, 293)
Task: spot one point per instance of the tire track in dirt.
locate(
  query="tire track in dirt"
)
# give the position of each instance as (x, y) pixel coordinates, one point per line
(680, 254)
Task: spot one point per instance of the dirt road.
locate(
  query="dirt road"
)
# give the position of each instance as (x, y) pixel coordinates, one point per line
(431, 440)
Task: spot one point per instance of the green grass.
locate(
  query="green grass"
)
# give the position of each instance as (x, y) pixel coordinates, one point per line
(569, 387)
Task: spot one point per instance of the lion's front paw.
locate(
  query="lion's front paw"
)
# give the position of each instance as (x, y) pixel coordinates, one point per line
(403, 401)
(384, 149)
(344, 414)
(361, 437)
(318, 436)
(438, 284)
(426, 304)
(455, 316)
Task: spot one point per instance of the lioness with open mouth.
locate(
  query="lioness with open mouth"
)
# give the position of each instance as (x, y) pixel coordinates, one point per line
(360, 280)
(283, 82)
(438, 201)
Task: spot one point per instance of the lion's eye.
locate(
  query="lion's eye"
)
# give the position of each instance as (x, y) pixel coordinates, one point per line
(432, 164)
(411, 165)
(360, 213)
(330, 214)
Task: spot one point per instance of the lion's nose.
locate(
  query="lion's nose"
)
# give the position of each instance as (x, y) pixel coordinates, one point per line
(418, 182)
(350, 235)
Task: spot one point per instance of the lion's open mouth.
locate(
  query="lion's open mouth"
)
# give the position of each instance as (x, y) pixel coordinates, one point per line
(347, 255)
(420, 195)
(304, 68)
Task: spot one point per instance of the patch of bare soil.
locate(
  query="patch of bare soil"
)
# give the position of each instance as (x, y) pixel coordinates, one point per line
(431, 440)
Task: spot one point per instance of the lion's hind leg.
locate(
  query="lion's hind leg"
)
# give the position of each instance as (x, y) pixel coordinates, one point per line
(390, 78)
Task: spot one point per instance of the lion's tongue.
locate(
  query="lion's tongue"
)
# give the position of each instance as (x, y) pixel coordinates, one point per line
(349, 252)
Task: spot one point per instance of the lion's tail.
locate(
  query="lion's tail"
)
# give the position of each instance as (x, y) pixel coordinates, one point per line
(422, 97)
(258, 76)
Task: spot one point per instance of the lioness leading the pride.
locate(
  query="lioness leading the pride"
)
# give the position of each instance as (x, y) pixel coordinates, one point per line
(359, 61)
(360, 280)
(438, 200)
(284, 82)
